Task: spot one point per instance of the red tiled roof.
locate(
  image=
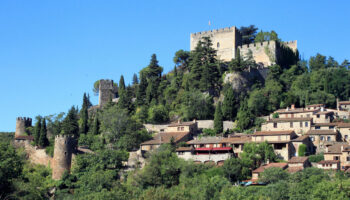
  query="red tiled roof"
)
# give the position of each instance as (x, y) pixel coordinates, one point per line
(344, 103)
(24, 137)
(300, 138)
(215, 149)
(263, 133)
(315, 105)
(328, 161)
(182, 124)
(336, 148)
(298, 159)
(165, 137)
(321, 132)
(206, 140)
(237, 140)
(279, 165)
(344, 125)
(297, 110)
(294, 169)
(184, 149)
(295, 119)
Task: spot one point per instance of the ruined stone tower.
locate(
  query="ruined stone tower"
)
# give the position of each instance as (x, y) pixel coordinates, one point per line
(65, 146)
(21, 124)
(106, 92)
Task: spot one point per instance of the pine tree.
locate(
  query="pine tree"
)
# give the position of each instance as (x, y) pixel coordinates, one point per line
(70, 123)
(43, 141)
(154, 73)
(135, 80)
(37, 129)
(84, 116)
(218, 121)
(244, 116)
(229, 105)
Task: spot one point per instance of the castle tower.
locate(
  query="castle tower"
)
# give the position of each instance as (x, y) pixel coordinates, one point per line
(106, 92)
(21, 124)
(65, 146)
(225, 41)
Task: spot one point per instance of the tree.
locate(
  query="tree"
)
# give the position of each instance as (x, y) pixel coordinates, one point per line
(70, 123)
(248, 34)
(317, 62)
(255, 154)
(84, 117)
(158, 114)
(244, 117)
(37, 130)
(141, 90)
(266, 36)
(230, 105)
(135, 80)
(181, 58)
(218, 119)
(121, 84)
(95, 126)
(273, 175)
(43, 141)
(233, 169)
(153, 74)
(302, 150)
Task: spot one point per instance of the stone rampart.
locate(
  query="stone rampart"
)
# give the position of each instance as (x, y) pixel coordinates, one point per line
(21, 124)
(65, 146)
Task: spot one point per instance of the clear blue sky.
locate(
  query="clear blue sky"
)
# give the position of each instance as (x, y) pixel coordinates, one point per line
(51, 52)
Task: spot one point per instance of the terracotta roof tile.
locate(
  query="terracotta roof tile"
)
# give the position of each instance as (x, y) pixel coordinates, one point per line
(258, 133)
(298, 159)
(321, 132)
(344, 125)
(237, 140)
(294, 169)
(295, 119)
(336, 148)
(206, 140)
(328, 161)
(344, 103)
(315, 105)
(325, 124)
(300, 138)
(182, 124)
(262, 168)
(184, 149)
(165, 137)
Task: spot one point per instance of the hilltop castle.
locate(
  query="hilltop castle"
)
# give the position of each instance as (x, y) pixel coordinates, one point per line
(227, 41)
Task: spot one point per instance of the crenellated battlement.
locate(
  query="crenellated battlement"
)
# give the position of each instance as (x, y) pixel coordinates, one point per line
(222, 30)
(21, 124)
(106, 84)
(257, 45)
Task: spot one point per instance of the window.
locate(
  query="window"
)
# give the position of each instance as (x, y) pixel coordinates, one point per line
(301, 116)
(291, 124)
(306, 124)
(275, 125)
(331, 127)
(182, 128)
(178, 128)
(346, 137)
(348, 158)
(301, 124)
(218, 45)
(308, 115)
(161, 130)
(336, 158)
(180, 153)
(328, 138)
(318, 116)
(321, 138)
(312, 138)
(317, 127)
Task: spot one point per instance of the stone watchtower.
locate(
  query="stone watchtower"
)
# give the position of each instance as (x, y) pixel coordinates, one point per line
(106, 92)
(21, 124)
(65, 146)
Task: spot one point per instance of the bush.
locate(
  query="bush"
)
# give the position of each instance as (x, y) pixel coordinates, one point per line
(208, 132)
(316, 158)
(302, 150)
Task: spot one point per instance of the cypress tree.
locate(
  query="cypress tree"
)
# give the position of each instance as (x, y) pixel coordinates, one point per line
(43, 141)
(141, 90)
(70, 123)
(229, 105)
(218, 121)
(84, 116)
(96, 126)
(121, 84)
(135, 80)
(37, 129)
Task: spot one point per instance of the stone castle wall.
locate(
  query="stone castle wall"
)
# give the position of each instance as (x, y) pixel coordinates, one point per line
(21, 124)
(64, 147)
(264, 53)
(224, 41)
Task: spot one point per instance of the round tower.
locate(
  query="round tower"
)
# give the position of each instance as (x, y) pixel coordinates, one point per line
(65, 146)
(21, 124)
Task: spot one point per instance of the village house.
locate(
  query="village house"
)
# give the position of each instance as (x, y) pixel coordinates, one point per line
(299, 125)
(329, 164)
(343, 105)
(338, 152)
(296, 164)
(280, 141)
(236, 142)
(344, 130)
(178, 132)
(304, 139)
(208, 150)
(256, 173)
(322, 138)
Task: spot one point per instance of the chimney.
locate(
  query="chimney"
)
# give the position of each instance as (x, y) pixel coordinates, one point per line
(338, 104)
(341, 148)
(178, 121)
(326, 149)
(322, 109)
(194, 120)
(293, 106)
